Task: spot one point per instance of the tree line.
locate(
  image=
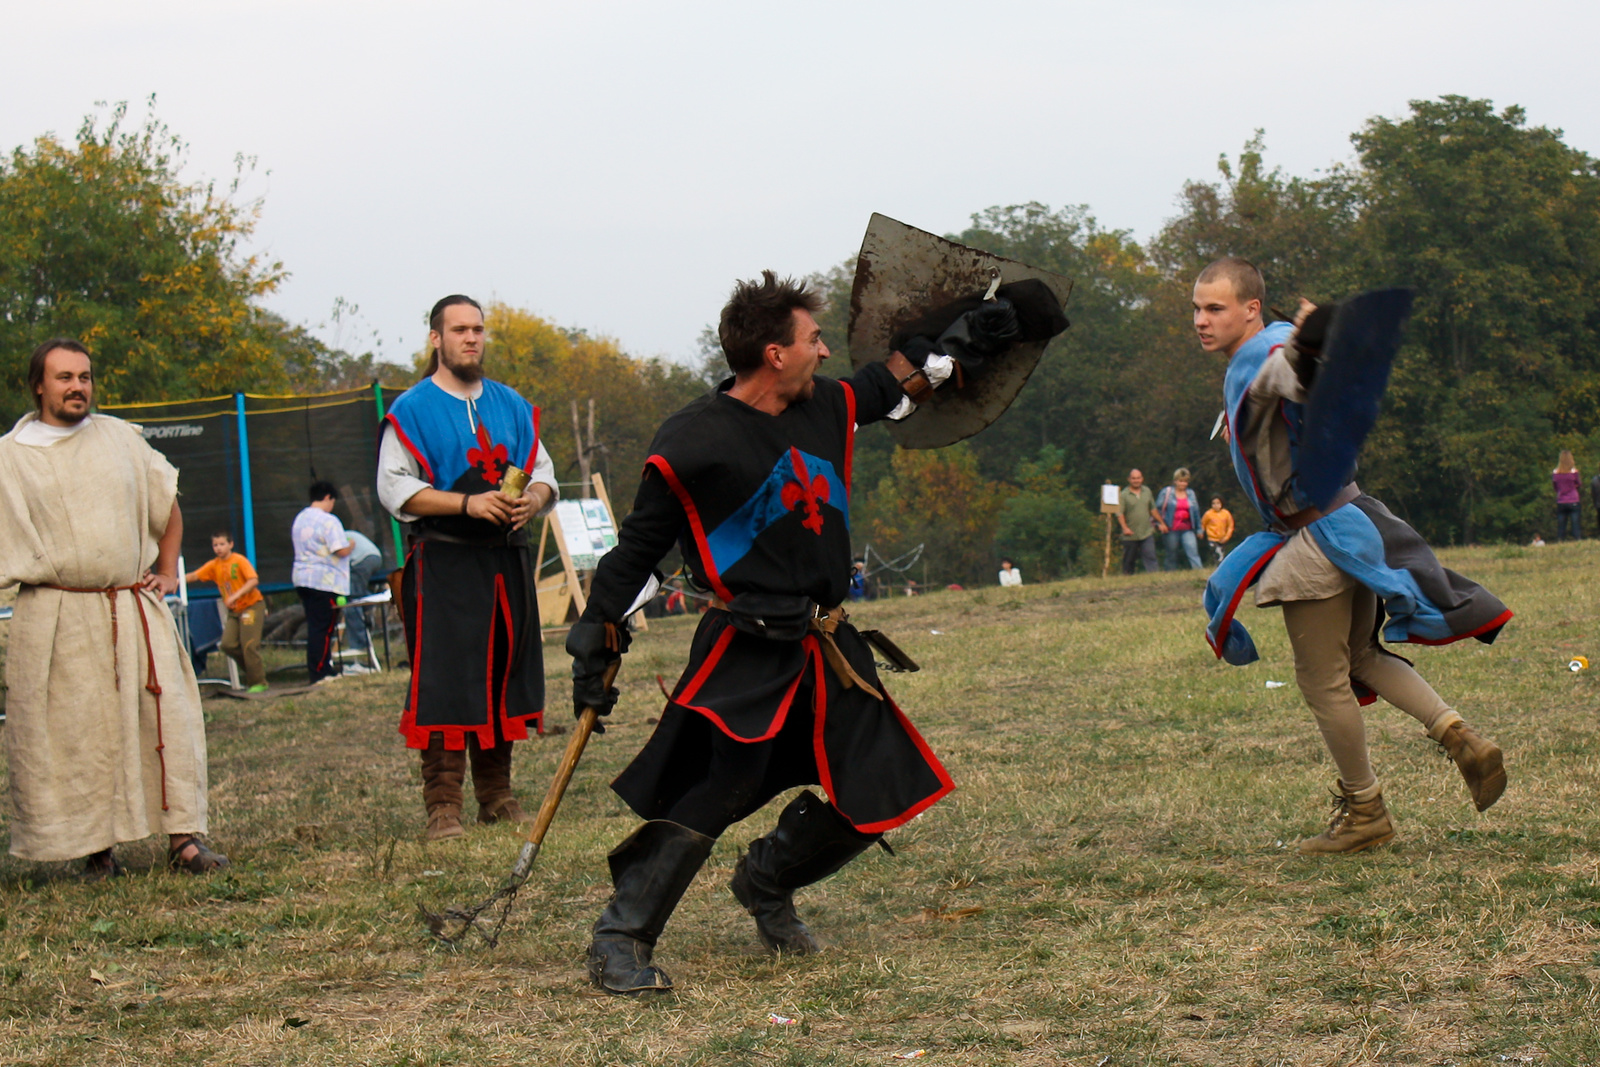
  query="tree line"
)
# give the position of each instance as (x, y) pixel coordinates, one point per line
(1491, 220)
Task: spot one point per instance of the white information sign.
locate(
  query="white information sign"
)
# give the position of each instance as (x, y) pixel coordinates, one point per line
(587, 528)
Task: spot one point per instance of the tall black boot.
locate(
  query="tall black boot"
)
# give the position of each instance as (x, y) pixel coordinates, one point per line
(650, 872)
(811, 841)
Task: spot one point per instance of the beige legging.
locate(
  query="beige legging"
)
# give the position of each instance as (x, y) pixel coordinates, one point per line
(1333, 642)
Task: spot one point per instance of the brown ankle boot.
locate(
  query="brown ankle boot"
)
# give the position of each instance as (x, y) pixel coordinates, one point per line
(491, 784)
(1478, 759)
(1359, 821)
(442, 774)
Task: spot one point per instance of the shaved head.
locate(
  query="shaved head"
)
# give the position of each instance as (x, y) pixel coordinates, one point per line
(1241, 274)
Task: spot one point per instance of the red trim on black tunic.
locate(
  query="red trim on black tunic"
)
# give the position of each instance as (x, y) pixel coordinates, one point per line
(712, 659)
(695, 525)
(825, 771)
(408, 718)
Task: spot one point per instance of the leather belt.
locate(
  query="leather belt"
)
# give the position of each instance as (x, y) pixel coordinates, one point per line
(824, 621)
(1301, 519)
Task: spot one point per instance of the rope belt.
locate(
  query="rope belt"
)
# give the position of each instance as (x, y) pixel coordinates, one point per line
(152, 684)
(823, 622)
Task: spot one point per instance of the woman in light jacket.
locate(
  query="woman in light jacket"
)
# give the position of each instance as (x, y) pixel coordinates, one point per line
(1180, 510)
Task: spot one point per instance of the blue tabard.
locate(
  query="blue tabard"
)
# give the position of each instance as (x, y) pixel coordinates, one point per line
(434, 427)
(1425, 602)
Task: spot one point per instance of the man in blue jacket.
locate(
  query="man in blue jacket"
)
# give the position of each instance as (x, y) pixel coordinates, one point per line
(1346, 573)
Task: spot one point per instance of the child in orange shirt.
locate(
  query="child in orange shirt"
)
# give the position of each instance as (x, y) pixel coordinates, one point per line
(236, 580)
(1218, 526)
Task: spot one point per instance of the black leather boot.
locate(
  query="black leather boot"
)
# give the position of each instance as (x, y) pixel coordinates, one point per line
(650, 872)
(810, 842)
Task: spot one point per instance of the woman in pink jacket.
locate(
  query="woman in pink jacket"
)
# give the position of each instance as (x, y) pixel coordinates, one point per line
(1566, 480)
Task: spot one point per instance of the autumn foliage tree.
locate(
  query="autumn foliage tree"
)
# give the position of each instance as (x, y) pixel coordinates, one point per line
(937, 498)
(101, 239)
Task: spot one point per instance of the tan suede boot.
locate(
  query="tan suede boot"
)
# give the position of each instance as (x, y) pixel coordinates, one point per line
(1359, 821)
(491, 784)
(1478, 759)
(442, 774)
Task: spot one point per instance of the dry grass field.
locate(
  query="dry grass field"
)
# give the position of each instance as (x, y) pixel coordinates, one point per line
(1113, 883)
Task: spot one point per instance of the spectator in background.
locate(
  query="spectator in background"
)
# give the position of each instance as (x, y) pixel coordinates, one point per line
(236, 580)
(1218, 526)
(1009, 575)
(366, 563)
(1139, 519)
(1568, 498)
(860, 585)
(1180, 516)
(321, 575)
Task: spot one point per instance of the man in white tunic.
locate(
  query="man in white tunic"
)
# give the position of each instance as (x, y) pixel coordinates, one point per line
(104, 732)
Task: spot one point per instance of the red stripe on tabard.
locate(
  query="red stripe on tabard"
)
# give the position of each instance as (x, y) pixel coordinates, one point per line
(415, 737)
(1238, 595)
(819, 719)
(704, 672)
(488, 669)
(533, 453)
(779, 717)
(1499, 620)
(695, 525)
(849, 434)
(825, 771)
(511, 729)
(416, 454)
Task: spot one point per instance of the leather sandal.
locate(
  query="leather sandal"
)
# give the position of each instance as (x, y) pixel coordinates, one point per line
(204, 860)
(101, 866)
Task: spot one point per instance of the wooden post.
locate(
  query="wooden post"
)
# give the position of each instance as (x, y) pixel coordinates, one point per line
(604, 497)
(583, 453)
(1110, 506)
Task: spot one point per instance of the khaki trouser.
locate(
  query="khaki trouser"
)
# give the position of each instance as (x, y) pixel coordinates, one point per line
(1334, 641)
(241, 641)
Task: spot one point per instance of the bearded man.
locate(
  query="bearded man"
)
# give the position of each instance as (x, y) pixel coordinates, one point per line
(780, 690)
(1349, 574)
(467, 592)
(105, 735)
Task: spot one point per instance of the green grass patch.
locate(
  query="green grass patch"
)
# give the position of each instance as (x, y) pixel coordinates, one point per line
(1114, 877)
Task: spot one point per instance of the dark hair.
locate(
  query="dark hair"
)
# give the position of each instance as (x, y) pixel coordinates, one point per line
(322, 491)
(226, 535)
(759, 314)
(36, 365)
(436, 323)
(1247, 282)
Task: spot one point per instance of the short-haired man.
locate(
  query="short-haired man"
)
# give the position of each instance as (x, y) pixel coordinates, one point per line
(467, 595)
(237, 583)
(1139, 520)
(321, 576)
(1337, 572)
(780, 691)
(105, 735)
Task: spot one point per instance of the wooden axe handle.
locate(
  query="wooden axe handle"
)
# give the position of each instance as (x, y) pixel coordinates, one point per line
(569, 763)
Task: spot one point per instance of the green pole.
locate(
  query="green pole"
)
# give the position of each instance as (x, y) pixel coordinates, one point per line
(394, 523)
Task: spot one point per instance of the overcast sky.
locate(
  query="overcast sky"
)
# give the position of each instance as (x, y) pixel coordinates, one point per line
(615, 166)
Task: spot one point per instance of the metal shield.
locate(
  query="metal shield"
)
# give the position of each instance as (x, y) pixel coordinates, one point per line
(905, 273)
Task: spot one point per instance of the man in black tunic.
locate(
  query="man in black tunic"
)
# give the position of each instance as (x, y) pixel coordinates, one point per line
(780, 690)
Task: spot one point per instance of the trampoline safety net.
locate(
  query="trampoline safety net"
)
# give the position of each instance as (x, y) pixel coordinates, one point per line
(245, 462)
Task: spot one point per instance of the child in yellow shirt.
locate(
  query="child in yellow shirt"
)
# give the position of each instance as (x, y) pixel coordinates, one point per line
(1217, 523)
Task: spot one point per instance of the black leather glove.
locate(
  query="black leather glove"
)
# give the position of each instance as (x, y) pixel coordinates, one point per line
(980, 335)
(595, 646)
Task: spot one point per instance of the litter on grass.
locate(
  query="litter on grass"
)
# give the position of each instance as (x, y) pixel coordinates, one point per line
(937, 633)
(915, 1053)
(1579, 663)
(1276, 685)
(780, 1020)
